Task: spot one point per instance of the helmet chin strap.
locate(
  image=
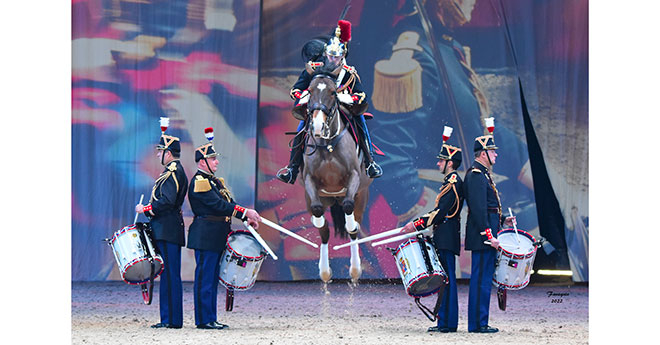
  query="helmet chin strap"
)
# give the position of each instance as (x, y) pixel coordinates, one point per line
(488, 156)
(162, 158)
(444, 169)
(209, 166)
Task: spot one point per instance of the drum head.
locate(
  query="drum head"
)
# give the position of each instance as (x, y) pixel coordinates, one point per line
(518, 244)
(244, 244)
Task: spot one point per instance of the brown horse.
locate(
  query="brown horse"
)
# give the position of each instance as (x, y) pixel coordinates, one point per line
(333, 174)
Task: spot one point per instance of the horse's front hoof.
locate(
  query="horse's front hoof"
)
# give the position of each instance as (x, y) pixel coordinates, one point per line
(326, 275)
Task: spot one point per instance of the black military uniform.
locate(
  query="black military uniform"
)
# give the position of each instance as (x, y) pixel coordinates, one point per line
(164, 212)
(483, 223)
(348, 82)
(446, 222)
(213, 207)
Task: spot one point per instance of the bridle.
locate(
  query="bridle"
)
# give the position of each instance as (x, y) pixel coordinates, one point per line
(331, 113)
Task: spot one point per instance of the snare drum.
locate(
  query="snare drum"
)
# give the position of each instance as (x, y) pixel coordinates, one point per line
(241, 261)
(515, 258)
(133, 253)
(417, 279)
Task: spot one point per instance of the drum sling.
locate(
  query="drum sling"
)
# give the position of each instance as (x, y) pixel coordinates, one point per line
(430, 314)
(229, 301)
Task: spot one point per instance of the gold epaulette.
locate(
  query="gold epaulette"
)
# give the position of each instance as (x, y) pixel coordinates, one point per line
(201, 184)
(453, 179)
(171, 167)
(476, 170)
(398, 81)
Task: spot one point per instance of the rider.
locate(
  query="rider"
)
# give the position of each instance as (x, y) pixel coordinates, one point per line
(349, 90)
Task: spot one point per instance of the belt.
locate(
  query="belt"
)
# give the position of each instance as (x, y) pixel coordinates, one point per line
(493, 210)
(215, 218)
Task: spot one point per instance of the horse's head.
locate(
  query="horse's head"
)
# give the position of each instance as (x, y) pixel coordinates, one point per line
(322, 108)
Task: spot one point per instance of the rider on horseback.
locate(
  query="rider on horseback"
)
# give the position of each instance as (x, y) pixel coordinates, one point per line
(333, 53)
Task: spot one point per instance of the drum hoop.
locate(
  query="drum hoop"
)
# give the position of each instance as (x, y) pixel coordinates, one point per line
(236, 287)
(514, 255)
(425, 275)
(404, 244)
(239, 255)
(135, 261)
(122, 231)
(512, 287)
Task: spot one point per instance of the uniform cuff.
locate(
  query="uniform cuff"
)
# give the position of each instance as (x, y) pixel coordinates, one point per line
(489, 234)
(239, 212)
(149, 209)
(419, 224)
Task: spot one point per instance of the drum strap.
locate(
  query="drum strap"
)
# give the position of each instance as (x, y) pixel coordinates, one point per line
(229, 302)
(431, 314)
(148, 292)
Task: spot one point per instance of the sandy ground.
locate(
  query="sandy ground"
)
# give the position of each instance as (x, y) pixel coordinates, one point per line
(306, 313)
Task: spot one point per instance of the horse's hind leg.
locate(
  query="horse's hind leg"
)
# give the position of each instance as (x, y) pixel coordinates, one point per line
(358, 213)
(356, 267)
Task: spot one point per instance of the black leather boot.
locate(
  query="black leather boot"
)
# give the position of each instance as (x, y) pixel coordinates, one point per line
(289, 173)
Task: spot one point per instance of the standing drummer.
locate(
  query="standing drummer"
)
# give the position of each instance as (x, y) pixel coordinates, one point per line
(213, 206)
(164, 212)
(483, 222)
(445, 219)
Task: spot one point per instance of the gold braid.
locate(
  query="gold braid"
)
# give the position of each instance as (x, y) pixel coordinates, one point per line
(497, 194)
(161, 179)
(224, 190)
(350, 81)
(444, 191)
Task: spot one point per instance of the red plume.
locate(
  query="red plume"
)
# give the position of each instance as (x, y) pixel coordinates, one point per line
(208, 129)
(345, 27)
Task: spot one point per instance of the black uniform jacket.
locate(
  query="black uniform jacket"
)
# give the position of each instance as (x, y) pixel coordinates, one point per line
(445, 218)
(484, 208)
(213, 206)
(350, 80)
(167, 196)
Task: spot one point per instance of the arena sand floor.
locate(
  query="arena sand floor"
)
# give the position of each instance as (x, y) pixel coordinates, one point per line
(309, 313)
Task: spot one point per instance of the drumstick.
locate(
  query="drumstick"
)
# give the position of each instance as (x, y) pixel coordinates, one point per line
(259, 239)
(370, 238)
(288, 232)
(399, 238)
(514, 225)
(138, 213)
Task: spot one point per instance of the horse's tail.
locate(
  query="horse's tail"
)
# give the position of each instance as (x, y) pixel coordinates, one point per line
(339, 219)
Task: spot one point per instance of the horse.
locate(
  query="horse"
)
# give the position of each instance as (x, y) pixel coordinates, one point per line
(333, 174)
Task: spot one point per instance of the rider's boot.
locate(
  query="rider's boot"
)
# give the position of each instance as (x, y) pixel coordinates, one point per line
(289, 173)
(373, 169)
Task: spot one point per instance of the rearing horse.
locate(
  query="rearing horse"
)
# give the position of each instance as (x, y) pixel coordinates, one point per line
(333, 174)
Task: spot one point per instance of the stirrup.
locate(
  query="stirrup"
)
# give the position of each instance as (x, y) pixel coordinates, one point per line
(286, 175)
(374, 170)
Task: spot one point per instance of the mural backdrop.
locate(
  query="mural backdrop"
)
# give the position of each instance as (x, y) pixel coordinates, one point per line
(230, 65)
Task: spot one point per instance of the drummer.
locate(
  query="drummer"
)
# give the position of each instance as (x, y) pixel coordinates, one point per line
(445, 219)
(213, 207)
(164, 212)
(483, 222)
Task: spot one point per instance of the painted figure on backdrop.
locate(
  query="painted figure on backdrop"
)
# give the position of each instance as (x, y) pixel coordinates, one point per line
(423, 78)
